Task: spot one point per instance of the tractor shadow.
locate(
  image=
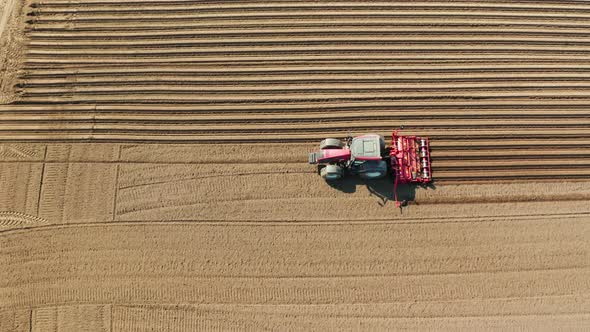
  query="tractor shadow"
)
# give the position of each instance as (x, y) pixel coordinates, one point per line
(382, 189)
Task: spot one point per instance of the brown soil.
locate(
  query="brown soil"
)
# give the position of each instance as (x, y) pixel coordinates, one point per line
(12, 42)
(154, 177)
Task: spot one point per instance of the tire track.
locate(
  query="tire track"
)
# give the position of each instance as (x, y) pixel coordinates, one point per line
(305, 116)
(154, 33)
(536, 5)
(322, 39)
(15, 220)
(97, 6)
(243, 71)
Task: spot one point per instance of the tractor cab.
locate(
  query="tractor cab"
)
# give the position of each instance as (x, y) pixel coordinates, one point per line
(367, 153)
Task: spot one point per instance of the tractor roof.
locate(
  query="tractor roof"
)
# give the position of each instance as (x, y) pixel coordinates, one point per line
(367, 147)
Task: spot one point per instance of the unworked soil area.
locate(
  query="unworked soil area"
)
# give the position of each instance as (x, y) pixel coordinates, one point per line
(199, 236)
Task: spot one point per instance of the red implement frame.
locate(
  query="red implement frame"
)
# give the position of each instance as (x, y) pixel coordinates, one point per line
(410, 160)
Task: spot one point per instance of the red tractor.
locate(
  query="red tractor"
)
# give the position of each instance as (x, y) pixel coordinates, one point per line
(408, 158)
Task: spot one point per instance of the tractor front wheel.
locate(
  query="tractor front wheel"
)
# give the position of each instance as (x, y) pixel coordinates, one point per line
(331, 143)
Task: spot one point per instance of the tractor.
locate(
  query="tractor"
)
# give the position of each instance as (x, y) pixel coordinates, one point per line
(367, 156)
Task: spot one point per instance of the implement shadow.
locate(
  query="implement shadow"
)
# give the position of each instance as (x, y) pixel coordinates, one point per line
(383, 188)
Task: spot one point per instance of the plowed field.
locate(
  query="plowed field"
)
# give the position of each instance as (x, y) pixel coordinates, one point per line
(154, 177)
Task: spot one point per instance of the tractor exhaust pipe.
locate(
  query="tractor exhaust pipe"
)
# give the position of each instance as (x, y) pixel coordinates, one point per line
(313, 158)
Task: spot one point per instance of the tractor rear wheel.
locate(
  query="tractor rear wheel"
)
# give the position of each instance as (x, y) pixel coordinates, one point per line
(373, 175)
(331, 143)
(373, 170)
(332, 172)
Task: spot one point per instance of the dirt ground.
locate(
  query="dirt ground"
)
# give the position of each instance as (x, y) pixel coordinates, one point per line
(154, 176)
